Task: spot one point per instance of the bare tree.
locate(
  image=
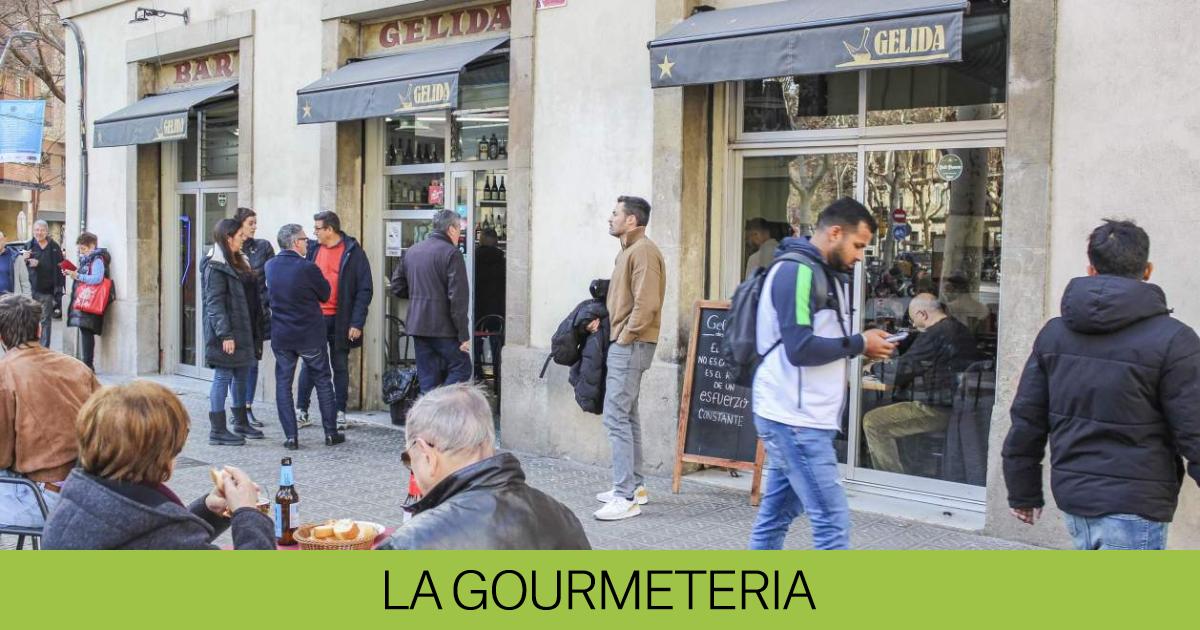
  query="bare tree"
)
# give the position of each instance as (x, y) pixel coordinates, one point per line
(43, 58)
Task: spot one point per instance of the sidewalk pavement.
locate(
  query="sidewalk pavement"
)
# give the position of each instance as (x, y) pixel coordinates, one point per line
(364, 479)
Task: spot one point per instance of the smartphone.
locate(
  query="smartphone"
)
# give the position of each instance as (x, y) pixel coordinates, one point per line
(897, 338)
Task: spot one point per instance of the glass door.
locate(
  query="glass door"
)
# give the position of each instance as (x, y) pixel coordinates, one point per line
(921, 419)
(199, 213)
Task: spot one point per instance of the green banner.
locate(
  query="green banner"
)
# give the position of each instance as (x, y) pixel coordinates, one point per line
(929, 589)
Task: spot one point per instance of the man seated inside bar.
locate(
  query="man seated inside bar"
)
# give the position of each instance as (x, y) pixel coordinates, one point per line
(929, 369)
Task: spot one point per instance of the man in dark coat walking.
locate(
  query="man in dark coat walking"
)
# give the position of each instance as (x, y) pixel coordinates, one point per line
(432, 276)
(1113, 384)
(295, 290)
(351, 287)
(474, 498)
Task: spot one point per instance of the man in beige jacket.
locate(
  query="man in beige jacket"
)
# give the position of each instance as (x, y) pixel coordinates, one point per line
(635, 298)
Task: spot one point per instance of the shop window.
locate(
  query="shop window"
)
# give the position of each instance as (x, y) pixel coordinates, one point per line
(415, 139)
(779, 192)
(219, 141)
(480, 125)
(189, 151)
(820, 101)
(973, 89)
(934, 272)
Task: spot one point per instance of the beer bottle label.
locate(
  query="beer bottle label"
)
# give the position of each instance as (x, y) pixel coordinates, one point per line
(294, 515)
(278, 522)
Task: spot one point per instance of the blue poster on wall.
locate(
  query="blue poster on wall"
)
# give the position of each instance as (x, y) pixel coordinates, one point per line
(21, 127)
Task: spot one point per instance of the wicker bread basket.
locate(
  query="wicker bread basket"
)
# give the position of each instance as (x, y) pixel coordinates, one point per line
(304, 539)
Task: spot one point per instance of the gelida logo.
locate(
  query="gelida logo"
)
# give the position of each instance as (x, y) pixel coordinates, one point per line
(427, 95)
(897, 45)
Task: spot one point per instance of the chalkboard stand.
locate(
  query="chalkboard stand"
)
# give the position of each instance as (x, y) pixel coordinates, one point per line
(685, 412)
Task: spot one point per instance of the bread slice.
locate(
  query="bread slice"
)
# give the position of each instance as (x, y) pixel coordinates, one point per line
(345, 529)
(322, 531)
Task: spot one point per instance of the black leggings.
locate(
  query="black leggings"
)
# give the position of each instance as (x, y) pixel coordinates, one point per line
(87, 342)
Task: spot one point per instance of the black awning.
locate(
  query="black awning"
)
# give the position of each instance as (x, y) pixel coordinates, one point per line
(806, 37)
(418, 81)
(157, 118)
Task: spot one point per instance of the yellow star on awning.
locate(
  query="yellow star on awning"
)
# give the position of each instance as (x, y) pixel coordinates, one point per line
(307, 109)
(665, 67)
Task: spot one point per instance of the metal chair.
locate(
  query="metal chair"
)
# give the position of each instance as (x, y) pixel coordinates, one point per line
(491, 329)
(33, 533)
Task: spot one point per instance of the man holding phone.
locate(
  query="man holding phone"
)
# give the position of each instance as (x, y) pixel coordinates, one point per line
(804, 334)
(45, 278)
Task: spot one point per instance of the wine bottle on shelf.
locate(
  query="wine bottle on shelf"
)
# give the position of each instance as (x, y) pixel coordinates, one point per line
(391, 154)
(503, 196)
(433, 156)
(488, 190)
(408, 152)
(424, 195)
(493, 148)
(504, 149)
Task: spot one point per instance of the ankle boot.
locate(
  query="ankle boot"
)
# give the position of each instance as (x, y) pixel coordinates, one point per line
(218, 435)
(253, 421)
(241, 425)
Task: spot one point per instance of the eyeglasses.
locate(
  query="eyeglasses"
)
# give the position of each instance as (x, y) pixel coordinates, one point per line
(406, 459)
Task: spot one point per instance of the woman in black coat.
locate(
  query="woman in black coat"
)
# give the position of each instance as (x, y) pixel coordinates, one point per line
(229, 346)
(257, 252)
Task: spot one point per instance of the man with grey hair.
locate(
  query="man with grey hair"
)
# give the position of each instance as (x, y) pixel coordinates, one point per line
(45, 277)
(944, 347)
(473, 497)
(295, 289)
(432, 276)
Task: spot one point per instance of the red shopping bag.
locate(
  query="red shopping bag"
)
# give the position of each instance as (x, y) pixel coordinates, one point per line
(93, 298)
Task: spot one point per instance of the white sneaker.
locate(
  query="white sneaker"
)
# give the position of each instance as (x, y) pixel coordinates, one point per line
(302, 419)
(341, 421)
(617, 509)
(640, 496)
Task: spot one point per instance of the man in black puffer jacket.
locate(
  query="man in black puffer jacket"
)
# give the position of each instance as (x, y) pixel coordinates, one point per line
(585, 352)
(1115, 385)
(473, 497)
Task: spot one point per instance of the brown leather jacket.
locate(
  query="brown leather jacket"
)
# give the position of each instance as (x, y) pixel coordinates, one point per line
(41, 392)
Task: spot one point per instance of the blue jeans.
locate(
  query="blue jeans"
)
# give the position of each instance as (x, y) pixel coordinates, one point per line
(227, 381)
(316, 362)
(339, 361)
(18, 507)
(803, 478)
(250, 387)
(441, 362)
(1116, 531)
(623, 385)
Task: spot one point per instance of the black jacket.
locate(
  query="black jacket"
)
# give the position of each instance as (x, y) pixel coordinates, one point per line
(432, 275)
(257, 252)
(355, 289)
(77, 318)
(488, 505)
(937, 356)
(585, 352)
(96, 513)
(1115, 385)
(296, 288)
(47, 277)
(226, 315)
(489, 282)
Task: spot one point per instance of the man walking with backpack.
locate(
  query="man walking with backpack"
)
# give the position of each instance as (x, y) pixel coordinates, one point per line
(1113, 385)
(803, 334)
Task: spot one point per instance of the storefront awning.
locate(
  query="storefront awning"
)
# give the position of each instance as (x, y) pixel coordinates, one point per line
(157, 118)
(418, 81)
(807, 37)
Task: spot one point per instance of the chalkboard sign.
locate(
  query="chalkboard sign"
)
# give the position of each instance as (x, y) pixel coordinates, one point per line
(716, 421)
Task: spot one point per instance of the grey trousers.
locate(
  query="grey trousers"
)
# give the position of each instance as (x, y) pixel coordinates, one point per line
(626, 364)
(47, 300)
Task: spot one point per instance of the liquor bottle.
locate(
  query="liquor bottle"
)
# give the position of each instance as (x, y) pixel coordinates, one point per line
(493, 148)
(391, 154)
(483, 148)
(504, 149)
(414, 495)
(287, 505)
(408, 152)
(503, 196)
(424, 195)
(489, 190)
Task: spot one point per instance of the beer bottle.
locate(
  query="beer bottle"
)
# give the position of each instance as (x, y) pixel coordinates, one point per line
(287, 508)
(414, 495)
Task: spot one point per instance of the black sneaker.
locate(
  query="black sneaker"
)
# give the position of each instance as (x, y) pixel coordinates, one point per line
(333, 439)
